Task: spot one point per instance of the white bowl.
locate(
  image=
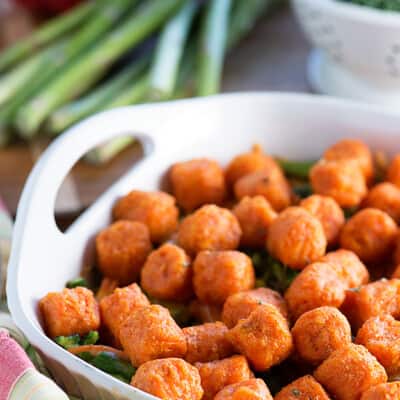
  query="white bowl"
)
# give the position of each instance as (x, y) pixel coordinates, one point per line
(43, 258)
(357, 50)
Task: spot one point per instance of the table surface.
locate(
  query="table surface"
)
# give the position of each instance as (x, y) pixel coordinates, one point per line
(272, 57)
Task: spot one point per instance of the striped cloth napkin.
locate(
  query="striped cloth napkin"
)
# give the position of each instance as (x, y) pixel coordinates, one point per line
(22, 372)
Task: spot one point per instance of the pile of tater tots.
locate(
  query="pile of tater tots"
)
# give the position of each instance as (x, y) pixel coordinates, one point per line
(334, 330)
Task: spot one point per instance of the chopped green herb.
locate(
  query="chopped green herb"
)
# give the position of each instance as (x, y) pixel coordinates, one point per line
(302, 190)
(91, 338)
(110, 363)
(76, 340)
(77, 282)
(68, 341)
(296, 169)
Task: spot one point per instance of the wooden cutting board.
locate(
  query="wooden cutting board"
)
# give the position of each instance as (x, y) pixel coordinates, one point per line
(273, 57)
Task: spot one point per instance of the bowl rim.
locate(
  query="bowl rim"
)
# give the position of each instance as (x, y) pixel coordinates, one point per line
(355, 11)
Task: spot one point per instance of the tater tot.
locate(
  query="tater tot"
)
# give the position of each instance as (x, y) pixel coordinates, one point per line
(209, 228)
(328, 212)
(169, 379)
(263, 337)
(383, 391)
(240, 305)
(386, 197)
(342, 180)
(157, 210)
(349, 371)
(252, 389)
(319, 332)
(151, 333)
(122, 249)
(270, 184)
(197, 182)
(119, 305)
(215, 375)
(348, 266)
(167, 274)
(219, 274)
(316, 286)
(396, 253)
(305, 388)
(371, 234)
(207, 342)
(381, 336)
(376, 298)
(353, 149)
(255, 215)
(70, 312)
(247, 163)
(296, 238)
(393, 172)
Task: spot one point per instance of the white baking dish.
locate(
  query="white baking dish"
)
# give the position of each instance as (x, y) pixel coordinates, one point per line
(357, 50)
(43, 258)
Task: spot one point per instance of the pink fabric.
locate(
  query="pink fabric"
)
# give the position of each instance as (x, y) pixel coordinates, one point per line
(13, 364)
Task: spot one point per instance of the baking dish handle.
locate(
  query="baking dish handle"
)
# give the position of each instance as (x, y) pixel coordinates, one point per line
(36, 206)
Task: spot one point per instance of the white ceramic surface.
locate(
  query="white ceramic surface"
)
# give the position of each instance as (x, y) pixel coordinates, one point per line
(43, 258)
(357, 50)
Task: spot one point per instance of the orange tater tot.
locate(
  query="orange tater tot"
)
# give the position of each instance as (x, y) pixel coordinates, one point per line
(349, 371)
(381, 336)
(270, 184)
(328, 212)
(264, 337)
(342, 180)
(247, 163)
(122, 249)
(70, 312)
(296, 238)
(167, 275)
(207, 342)
(169, 378)
(393, 172)
(319, 332)
(151, 333)
(356, 150)
(304, 388)
(197, 182)
(371, 234)
(240, 305)
(252, 389)
(219, 274)
(215, 375)
(119, 305)
(317, 285)
(255, 215)
(383, 391)
(385, 197)
(157, 210)
(348, 266)
(209, 228)
(376, 298)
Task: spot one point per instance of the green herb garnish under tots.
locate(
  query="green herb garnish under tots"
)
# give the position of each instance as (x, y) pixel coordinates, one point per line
(77, 282)
(296, 169)
(110, 363)
(270, 272)
(388, 5)
(76, 340)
